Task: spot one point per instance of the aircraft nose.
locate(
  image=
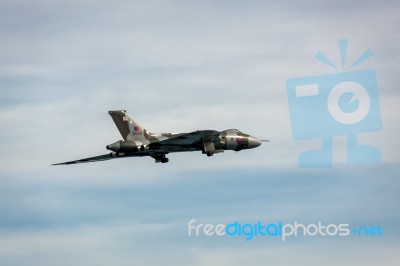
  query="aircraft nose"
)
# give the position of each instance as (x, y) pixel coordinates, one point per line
(254, 142)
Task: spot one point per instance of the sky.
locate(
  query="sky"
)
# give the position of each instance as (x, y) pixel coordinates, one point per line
(180, 66)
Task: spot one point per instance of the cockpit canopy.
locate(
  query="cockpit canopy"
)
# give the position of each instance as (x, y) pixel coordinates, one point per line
(232, 132)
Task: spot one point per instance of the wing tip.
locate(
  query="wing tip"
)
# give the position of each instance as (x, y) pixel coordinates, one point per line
(88, 160)
(66, 163)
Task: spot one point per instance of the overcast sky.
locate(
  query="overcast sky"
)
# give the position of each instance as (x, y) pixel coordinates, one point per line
(179, 66)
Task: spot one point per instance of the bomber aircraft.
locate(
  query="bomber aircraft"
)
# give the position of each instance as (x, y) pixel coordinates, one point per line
(138, 142)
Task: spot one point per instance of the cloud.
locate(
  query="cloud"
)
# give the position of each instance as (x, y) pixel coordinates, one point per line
(181, 66)
(92, 222)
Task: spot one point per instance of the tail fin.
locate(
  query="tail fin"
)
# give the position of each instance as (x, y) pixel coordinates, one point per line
(129, 129)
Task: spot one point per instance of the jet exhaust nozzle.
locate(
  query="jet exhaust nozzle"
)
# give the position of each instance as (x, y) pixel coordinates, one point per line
(123, 146)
